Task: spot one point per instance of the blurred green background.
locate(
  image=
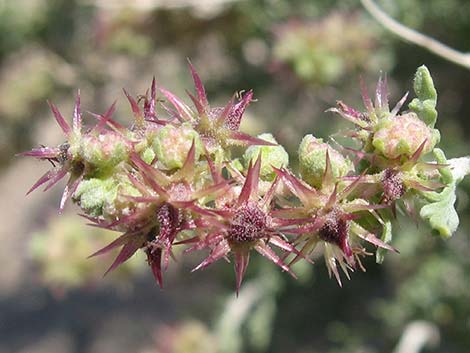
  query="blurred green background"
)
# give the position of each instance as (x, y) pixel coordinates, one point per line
(299, 56)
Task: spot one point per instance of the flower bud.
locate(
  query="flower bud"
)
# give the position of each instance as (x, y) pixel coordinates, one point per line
(270, 156)
(403, 135)
(172, 144)
(312, 159)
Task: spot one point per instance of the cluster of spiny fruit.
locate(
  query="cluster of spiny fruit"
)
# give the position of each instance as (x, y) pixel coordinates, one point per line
(170, 179)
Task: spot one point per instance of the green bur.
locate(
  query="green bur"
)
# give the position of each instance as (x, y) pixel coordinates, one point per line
(403, 135)
(271, 156)
(172, 144)
(105, 151)
(312, 159)
(148, 155)
(99, 197)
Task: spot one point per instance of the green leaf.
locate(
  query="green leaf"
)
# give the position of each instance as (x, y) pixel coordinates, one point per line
(440, 212)
(446, 173)
(386, 238)
(441, 215)
(425, 103)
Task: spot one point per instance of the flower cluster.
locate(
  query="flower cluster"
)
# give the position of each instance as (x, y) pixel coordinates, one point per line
(170, 180)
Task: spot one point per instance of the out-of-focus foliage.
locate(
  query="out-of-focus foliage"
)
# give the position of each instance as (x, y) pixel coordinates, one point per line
(446, 20)
(324, 50)
(248, 327)
(27, 78)
(186, 336)
(60, 254)
(432, 285)
(20, 21)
